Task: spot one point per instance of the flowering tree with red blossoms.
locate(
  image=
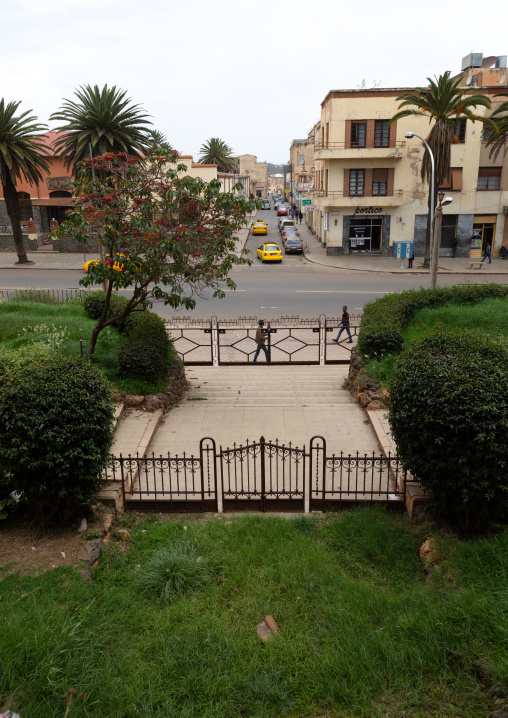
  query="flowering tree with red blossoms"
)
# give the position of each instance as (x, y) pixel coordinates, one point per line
(173, 235)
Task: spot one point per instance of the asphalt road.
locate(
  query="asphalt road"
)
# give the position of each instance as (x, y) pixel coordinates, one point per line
(294, 287)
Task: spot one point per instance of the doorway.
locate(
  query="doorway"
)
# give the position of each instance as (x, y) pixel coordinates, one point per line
(484, 230)
(365, 235)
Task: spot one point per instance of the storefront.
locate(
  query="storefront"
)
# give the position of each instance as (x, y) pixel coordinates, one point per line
(484, 231)
(365, 235)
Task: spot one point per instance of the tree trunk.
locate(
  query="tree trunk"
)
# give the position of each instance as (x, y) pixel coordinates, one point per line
(100, 324)
(12, 206)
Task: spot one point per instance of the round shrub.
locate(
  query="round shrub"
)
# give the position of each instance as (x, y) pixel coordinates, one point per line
(94, 305)
(56, 419)
(147, 352)
(449, 418)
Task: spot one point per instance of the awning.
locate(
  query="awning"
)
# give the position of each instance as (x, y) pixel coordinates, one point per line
(54, 202)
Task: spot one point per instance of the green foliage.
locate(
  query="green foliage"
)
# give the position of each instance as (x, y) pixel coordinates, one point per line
(55, 429)
(176, 569)
(449, 418)
(95, 302)
(147, 353)
(384, 320)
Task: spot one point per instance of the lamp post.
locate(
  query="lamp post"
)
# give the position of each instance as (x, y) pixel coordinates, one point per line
(443, 201)
(432, 176)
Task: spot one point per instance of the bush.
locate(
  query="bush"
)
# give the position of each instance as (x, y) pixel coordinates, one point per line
(449, 418)
(147, 352)
(55, 430)
(384, 320)
(95, 301)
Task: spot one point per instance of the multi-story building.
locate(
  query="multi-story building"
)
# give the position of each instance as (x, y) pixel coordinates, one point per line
(368, 189)
(301, 158)
(247, 165)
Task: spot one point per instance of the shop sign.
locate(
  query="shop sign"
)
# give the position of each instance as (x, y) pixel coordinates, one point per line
(368, 210)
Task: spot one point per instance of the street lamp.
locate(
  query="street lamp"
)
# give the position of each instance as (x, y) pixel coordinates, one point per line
(432, 175)
(443, 201)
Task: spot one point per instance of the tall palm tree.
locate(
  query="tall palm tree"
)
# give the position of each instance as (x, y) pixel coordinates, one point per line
(443, 103)
(22, 153)
(157, 140)
(498, 136)
(103, 119)
(217, 152)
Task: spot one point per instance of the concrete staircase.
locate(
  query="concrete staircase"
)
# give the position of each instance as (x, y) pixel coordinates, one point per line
(266, 386)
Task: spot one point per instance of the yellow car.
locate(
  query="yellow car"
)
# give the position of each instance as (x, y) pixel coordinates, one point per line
(107, 260)
(270, 253)
(259, 228)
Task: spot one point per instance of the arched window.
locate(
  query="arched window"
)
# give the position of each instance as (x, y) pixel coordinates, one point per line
(25, 206)
(60, 193)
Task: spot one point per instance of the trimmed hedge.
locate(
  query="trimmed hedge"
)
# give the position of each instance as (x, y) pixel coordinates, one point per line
(449, 418)
(384, 320)
(94, 305)
(56, 421)
(147, 352)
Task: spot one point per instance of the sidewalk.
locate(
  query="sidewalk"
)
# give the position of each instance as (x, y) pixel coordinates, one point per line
(61, 260)
(374, 263)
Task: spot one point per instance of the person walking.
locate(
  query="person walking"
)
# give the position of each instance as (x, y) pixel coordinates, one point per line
(454, 247)
(260, 338)
(487, 253)
(292, 214)
(300, 216)
(344, 324)
(411, 257)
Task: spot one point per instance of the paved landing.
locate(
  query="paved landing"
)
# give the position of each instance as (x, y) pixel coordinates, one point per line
(284, 403)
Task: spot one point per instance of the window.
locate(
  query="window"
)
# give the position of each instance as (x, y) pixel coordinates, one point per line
(459, 130)
(358, 134)
(60, 193)
(379, 183)
(381, 133)
(487, 132)
(356, 183)
(448, 230)
(25, 206)
(454, 181)
(489, 178)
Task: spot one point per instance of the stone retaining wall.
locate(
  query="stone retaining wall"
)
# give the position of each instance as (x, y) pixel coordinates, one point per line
(7, 243)
(71, 245)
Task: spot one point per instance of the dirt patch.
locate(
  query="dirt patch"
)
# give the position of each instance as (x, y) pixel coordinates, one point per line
(26, 548)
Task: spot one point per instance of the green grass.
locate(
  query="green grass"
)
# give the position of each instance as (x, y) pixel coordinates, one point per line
(24, 322)
(487, 317)
(362, 632)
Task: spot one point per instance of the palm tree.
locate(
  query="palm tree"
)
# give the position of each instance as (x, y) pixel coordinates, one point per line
(443, 103)
(21, 154)
(217, 152)
(103, 119)
(498, 136)
(157, 140)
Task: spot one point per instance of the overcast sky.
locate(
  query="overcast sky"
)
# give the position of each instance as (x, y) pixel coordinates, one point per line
(253, 74)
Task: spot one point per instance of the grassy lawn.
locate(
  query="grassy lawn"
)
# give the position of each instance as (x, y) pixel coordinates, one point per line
(63, 325)
(487, 317)
(363, 631)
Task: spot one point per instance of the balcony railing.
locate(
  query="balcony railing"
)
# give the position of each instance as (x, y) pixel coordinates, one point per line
(340, 193)
(356, 146)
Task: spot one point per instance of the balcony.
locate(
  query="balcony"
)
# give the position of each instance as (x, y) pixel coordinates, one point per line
(343, 151)
(335, 198)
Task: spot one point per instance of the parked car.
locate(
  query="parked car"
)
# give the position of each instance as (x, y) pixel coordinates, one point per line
(266, 204)
(108, 261)
(287, 233)
(270, 253)
(293, 245)
(259, 228)
(285, 221)
(281, 209)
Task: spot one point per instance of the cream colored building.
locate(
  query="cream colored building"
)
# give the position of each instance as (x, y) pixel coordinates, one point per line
(276, 183)
(209, 172)
(368, 190)
(301, 157)
(247, 165)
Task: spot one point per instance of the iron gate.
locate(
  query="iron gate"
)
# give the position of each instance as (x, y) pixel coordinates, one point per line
(291, 340)
(259, 476)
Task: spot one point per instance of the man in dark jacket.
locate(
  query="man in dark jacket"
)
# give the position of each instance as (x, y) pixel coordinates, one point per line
(344, 324)
(260, 338)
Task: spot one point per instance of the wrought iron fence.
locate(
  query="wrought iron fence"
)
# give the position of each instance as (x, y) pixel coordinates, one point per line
(47, 296)
(259, 476)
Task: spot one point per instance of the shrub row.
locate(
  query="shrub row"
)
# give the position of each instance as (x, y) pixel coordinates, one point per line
(385, 319)
(147, 353)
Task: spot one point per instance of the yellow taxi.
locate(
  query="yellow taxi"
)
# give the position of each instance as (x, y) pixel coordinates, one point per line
(270, 253)
(108, 260)
(259, 228)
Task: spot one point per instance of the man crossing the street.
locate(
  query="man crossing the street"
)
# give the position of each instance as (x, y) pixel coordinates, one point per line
(344, 324)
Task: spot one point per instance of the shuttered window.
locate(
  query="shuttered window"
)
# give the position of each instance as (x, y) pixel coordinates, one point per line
(356, 183)
(489, 178)
(379, 182)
